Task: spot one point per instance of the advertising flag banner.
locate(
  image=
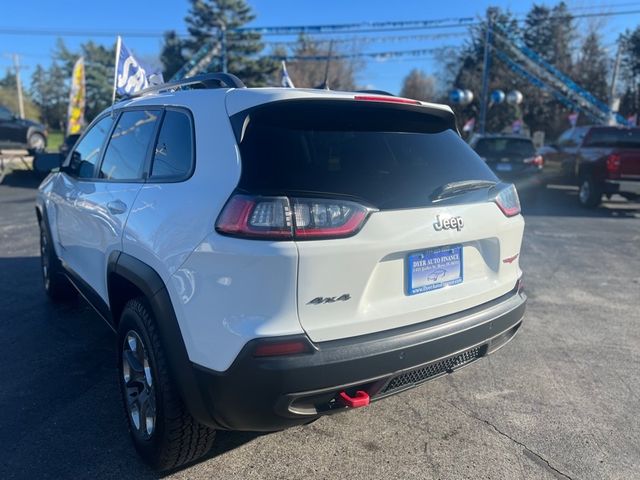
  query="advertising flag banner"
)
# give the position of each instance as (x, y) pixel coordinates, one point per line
(130, 77)
(75, 112)
(469, 125)
(286, 79)
(573, 119)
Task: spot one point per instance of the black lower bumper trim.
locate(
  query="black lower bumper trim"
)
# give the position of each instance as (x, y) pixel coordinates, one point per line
(269, 394)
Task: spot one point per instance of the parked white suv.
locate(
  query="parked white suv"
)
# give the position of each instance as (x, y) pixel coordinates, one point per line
(267, 256)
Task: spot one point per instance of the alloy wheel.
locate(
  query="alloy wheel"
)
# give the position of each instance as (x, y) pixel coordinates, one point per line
(44, 259)
(138, 385)
(585, 191)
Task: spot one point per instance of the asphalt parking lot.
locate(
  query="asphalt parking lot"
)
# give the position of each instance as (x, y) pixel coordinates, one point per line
(560, 401)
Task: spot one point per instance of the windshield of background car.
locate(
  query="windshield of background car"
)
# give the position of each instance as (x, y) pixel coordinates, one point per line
(613, 137)
(505, 147)
(387, 156)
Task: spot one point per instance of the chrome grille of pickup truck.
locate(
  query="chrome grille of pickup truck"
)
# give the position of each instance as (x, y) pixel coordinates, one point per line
(432, 370)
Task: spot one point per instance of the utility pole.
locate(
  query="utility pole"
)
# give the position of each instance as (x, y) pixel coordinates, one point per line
(614, 75)
(484, 97)
(325, 83)
(223, 47)
(16, 64)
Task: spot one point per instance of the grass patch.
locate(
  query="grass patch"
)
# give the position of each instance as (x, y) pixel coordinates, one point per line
(54, 140)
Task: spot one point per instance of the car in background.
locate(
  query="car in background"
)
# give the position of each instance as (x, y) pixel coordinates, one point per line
(513, 158)
(601, 160)
(16, 132)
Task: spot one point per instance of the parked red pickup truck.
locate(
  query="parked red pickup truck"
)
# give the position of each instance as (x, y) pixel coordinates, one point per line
(602, 160)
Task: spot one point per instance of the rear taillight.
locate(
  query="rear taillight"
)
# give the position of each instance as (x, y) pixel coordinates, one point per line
(537, 161)
(506, 197)
(274, 218)
(613, 165)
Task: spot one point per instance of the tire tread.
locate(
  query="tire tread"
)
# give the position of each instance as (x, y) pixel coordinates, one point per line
(184, 439)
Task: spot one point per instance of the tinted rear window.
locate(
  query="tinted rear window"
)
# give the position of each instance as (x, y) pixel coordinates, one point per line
(491, 147)
(613, 137)
(389, 157)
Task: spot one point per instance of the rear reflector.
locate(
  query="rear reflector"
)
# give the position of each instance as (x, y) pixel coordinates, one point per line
(372, 98)
(288, 347)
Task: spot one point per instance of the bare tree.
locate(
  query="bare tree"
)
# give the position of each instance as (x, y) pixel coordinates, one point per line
(341, 70)
(419, 85)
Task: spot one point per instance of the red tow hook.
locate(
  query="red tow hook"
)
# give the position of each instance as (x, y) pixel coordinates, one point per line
(361, 399)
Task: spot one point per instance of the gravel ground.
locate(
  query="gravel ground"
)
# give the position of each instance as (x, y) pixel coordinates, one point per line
(560, 401)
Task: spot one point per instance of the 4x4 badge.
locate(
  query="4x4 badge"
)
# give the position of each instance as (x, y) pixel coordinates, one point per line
(448, 223)
(320, 300)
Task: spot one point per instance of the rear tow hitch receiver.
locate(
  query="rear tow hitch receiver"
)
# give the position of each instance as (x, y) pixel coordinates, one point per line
(360, 399)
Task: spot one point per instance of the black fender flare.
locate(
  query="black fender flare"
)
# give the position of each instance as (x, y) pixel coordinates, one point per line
(147, 280)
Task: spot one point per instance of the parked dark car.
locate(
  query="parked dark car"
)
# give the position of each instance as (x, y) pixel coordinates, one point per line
(601, 160)
(512, 158)
(18, 132)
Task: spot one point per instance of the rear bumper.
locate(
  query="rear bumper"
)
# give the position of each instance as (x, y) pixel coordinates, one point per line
(622, 186)
(269, 394)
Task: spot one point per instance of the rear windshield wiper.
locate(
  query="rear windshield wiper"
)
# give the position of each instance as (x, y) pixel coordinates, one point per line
(455, 188)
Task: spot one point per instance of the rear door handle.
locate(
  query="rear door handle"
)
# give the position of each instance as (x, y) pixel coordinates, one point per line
(117, 207)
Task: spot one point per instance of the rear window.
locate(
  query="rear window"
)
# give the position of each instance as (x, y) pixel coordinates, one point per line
(613, 137)
(491, 147)
(388, 156)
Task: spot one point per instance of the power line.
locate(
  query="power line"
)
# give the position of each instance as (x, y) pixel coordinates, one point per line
(374, 55)
(352, 28)
(384, 39)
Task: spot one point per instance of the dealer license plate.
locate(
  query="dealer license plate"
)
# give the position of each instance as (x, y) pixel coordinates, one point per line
(433, 269)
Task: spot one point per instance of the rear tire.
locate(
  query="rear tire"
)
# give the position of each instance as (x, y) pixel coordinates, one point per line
(57, 286)
(163, 432)
(36, 142)
(590, 193)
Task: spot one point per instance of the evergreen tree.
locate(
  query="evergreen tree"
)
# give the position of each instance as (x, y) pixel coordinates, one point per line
(469, 74)
(50, 92)
(172, 56)
(550, 33)
(99, 69)
(592, 67)
(208, 20)
(9, 97)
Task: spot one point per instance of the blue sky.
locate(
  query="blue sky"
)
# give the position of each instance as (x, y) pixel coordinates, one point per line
(110, 17)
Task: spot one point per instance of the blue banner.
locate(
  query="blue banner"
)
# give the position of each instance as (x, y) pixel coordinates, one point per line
(131, 77)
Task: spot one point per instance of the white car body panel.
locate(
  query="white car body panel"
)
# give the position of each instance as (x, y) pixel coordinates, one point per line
(371, 268)
(227, 291)
(231, 291)
(87, 230)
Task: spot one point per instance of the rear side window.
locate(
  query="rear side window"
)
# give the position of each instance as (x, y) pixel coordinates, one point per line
(87, 153)
(613, 137)
(126, 153)
(173, 155)
(491, 147)
(387, 156)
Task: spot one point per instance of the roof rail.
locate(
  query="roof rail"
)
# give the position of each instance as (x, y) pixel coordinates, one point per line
(207, 80)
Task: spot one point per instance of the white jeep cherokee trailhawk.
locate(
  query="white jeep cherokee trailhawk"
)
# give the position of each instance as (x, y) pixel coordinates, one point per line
(268, 256)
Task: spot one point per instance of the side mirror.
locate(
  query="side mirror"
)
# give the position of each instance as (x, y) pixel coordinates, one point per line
(47, 162)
